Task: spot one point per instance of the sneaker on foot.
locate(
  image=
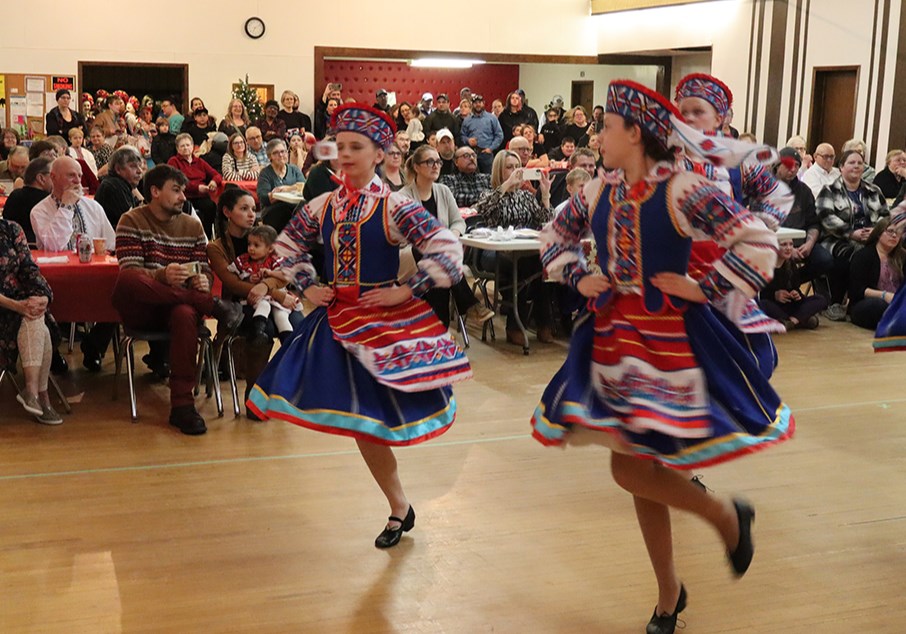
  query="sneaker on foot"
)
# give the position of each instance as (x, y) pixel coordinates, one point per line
(480, 313)
(30, 403)
(228, 314)
(836, 312)
(187, 420)
(49, 416)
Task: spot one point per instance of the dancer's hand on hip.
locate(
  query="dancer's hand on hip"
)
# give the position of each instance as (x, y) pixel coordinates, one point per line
(681, 286)
(383, 297)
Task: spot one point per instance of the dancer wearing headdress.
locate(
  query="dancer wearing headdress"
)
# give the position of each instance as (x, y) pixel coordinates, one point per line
(705, 101)
(372, 361)
(650, 373)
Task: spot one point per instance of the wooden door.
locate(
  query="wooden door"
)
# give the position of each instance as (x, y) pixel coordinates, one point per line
(834, 93)
(583, 94)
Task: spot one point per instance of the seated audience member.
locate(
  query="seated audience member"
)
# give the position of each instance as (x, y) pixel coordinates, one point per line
(848, 208)
(295, 122)
(868, 174)
(278, 176)
(255, 141)
(482, 132)
(584, 159)
(782, 299)
(13, 168)
(58, 220)
(446, 148)
(61, 118)
(236, 119)
(25, 324)
(890, 179)
(100, 149)
(319, 179)
(66, 213)
(43, 148)
(822, 172)
(391, 169)
(507, 204)
(200, 125)
(154, 290)
(575, 180)
(79, 153)
(89, 180)
(203, 180)
(271, 127)
(565, 151)
(422, 173)
(552, 131)
(875, 275)
(235, 217)
(163, 146)
(20, 203)
(9, 139)
(118, 191)
(539, 154)
(577, 127)
(467, 183)
(298, 152)
(238, 163)
(217, 147)
(798, 143)
(523, 149)
(812, 258)
(441, 118)
(404, 143)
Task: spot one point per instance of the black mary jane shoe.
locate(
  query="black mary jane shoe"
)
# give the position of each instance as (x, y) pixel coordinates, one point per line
(666, 623)
(390, 537)
(741, 558)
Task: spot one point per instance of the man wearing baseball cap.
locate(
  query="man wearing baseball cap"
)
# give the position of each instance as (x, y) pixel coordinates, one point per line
(271, 127)
(446, 148)
(482, 132)
(380, 100)
(441, 118)
(426, 105)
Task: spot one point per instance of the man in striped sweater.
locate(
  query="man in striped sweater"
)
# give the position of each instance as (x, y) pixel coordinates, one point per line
(165, 284)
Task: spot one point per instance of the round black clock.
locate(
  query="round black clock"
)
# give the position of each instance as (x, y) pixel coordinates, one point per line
(254, 27)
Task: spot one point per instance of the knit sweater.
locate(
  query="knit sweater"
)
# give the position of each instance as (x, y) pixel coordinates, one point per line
(144, 242)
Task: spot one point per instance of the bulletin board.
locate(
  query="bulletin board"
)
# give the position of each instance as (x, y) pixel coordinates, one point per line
(26, 97)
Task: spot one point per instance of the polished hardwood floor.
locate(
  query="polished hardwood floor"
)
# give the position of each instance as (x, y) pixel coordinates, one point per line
(264, 527)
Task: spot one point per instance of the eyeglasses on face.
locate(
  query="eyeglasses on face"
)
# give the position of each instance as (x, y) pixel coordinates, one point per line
(432, 162)
(829, 157)
(469, 155)
(394, 153)
(893, 233)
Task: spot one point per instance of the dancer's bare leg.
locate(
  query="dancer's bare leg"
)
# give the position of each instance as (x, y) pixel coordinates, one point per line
(654, 520)
(382, 464)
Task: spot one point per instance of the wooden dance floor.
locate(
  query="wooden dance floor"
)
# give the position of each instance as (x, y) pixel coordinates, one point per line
(265, 527)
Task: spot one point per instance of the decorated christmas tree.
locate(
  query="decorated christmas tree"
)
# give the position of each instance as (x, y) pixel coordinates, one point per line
(247, 95)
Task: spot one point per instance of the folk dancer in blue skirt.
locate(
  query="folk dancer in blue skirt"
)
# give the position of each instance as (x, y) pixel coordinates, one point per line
(372, 361)
(650, 373)
(705, 102)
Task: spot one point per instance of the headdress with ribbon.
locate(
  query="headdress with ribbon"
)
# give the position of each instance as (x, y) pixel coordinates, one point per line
(706, 87)
(660, 119)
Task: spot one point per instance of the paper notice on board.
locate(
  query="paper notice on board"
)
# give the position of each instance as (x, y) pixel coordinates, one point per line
(17, 108)
(35, 84)
(35, 104)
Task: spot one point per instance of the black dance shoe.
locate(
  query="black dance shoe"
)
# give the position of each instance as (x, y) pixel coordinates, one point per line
(390, 537)
(745, 548)
(666, 623)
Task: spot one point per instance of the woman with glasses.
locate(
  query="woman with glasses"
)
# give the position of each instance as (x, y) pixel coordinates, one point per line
(279, 176)
(238, 164)
(876, 274)
(848, 209)
(391, 168)
(422, 172)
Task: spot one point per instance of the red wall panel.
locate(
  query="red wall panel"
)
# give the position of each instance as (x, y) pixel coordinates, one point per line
(362, 78)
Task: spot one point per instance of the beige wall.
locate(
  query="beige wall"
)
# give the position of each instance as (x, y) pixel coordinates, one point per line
(209, 37)
(543, 81)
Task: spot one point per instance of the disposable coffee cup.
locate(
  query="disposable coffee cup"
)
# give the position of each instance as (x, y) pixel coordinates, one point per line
(100, 246)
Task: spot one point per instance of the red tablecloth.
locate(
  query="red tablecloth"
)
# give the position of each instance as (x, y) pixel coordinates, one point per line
(81, 292)
(2, 201)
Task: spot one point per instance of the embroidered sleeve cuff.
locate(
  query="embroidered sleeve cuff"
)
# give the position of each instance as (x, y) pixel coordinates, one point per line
(575, 274)
(420, 283)
(715, 286)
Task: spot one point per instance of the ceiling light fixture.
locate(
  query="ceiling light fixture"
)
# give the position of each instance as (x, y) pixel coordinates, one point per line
(442, 62)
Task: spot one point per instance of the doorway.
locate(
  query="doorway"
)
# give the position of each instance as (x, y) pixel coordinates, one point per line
(161, 81)
(833, 116)
(583, 94)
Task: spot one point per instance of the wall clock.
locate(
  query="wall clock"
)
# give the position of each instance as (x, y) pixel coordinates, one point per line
(254, 27)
